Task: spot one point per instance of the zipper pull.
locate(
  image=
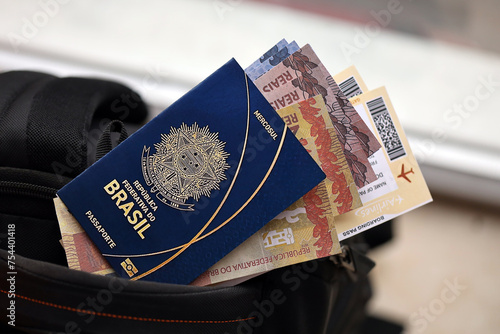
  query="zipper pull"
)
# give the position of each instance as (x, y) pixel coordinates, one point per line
(354, 260)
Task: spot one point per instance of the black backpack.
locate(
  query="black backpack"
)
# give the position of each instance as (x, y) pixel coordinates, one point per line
(51, 129)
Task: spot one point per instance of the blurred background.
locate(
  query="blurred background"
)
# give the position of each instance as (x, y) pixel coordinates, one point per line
(439, 59)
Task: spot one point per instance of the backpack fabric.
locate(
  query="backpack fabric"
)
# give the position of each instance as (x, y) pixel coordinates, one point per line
(51, 129)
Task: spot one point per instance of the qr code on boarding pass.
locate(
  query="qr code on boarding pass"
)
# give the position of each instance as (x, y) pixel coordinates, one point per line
(386, 128)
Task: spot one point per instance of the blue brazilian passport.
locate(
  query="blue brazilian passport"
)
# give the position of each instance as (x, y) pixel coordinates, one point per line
(193, 183)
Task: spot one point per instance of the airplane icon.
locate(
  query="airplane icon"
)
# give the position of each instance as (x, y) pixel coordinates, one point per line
(403, 173)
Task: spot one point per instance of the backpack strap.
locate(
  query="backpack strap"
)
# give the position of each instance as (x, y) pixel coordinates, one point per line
(105, 142)
(45, 121)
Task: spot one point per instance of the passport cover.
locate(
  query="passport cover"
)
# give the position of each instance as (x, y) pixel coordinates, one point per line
(193, 183)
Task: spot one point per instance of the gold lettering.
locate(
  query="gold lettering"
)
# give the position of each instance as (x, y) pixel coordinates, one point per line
(136, 215)
(112, 187)
(126, 208)
(119, 197)
(141, 231)
(142, 222)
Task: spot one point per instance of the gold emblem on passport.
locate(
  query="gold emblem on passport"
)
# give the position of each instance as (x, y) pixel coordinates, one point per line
(129, 267)
(189, 162)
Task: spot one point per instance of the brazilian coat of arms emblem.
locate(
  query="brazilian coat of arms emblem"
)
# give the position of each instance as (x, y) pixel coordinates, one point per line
(189, 162)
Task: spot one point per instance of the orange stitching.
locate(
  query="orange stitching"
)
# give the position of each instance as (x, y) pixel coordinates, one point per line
(126, 317)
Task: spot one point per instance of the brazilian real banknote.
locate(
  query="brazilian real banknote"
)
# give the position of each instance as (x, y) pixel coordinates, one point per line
(269, 53)
(304, 231)
(301, 76)
(81, 253)
(270, 59)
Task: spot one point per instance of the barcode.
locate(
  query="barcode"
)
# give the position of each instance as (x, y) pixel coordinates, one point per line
(385, 128)
(350, 87)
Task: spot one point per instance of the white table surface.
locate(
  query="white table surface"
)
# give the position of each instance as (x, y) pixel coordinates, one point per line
(163, 48)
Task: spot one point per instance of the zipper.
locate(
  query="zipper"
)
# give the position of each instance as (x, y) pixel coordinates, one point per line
(27, 189)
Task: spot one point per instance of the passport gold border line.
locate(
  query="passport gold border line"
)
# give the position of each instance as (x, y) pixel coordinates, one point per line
(256, 190)
(196, 239)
